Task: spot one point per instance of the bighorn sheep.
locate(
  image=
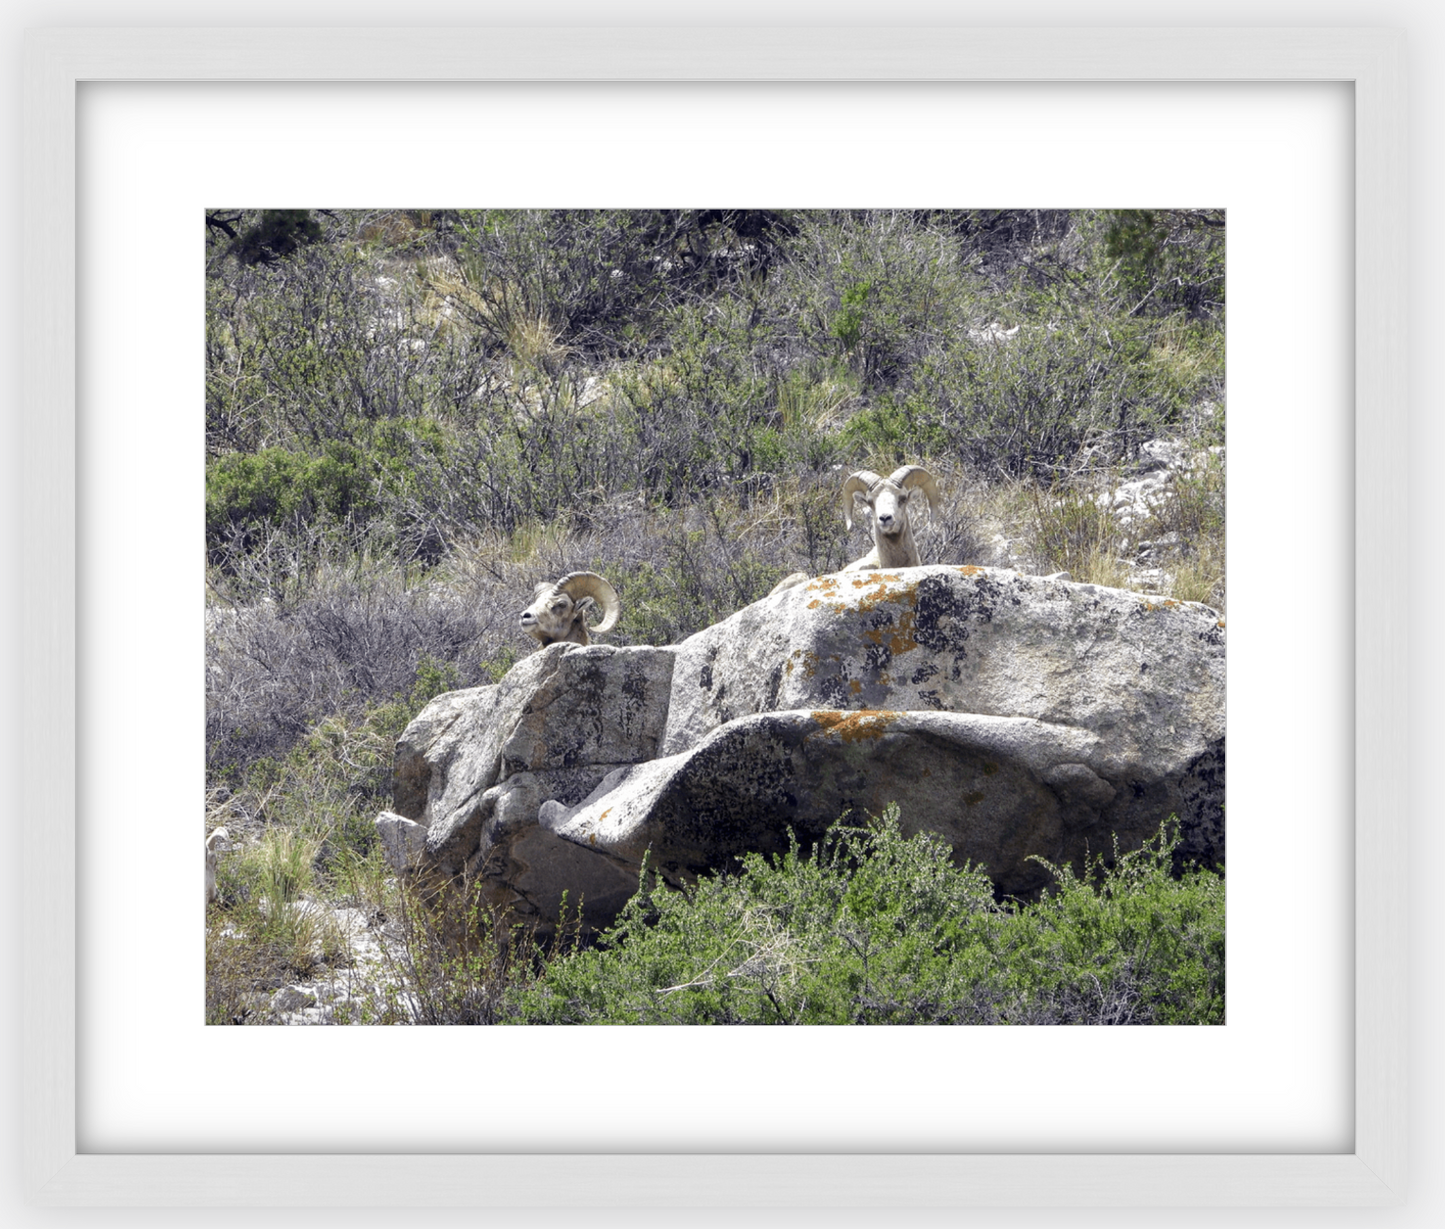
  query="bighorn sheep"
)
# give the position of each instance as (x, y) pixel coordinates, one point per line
(889, 500)
(557, 610)
(217, 843)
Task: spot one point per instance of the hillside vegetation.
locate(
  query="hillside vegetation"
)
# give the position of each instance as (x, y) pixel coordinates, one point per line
(414, 416)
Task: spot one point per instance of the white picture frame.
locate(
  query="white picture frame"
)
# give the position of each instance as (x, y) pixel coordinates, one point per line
(56, 61)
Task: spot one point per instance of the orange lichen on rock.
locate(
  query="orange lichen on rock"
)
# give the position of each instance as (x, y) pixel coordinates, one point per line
(866, 723)
(896, 639)
(870, 590)
(969, 569)
(805, 658)
(888, 590)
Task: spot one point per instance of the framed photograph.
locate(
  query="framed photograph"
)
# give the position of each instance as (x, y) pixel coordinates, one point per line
(131, 134)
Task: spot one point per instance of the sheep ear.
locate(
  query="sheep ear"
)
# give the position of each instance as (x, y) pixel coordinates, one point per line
(586, 605)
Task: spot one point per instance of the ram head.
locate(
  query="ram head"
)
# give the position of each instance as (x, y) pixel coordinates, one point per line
(559, 609)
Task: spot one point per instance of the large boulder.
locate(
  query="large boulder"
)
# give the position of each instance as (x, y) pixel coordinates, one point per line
(1147, 672)
(998, 789)
(474, 766)
(1016, 716)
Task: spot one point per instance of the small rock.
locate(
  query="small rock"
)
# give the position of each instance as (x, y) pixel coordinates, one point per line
(291, 998)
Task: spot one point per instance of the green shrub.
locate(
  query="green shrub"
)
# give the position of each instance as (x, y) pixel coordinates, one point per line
(1165, 259)
(874, 927)
(249, 494)
(881, 289)
(835, 937)
(275, 234)
(1124, 943)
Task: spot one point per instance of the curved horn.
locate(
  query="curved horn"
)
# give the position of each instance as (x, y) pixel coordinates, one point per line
(860, 480)
(578, 585)
(915, 475)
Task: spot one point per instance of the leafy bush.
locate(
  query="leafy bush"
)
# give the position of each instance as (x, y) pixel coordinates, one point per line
(874, 927)
(880, 290)
(1124, 943)
(249, 494)
(275, 670)
(312, 348)
(276, 233)
(1166, 259)
(596, 280)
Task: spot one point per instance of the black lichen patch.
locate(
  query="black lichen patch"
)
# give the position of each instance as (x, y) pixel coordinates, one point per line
(634, 686)
(632, 712)
(739, 795)
(877, 657)
(1213, 635)
(1202, 817)
(775, 685)
(948, 613)
(834, 690)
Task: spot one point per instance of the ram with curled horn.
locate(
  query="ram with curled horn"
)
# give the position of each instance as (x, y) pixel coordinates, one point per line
(559, 609)
(891, 501)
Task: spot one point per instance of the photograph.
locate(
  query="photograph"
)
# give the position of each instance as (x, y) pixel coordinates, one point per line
(724, 520)
(735, 615)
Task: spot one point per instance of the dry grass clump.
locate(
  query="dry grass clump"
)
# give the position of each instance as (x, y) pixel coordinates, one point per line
(1200, 578)
(265, 929)
(432, 954)
(455, 958)
(1190, 518)
(1175, 545)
